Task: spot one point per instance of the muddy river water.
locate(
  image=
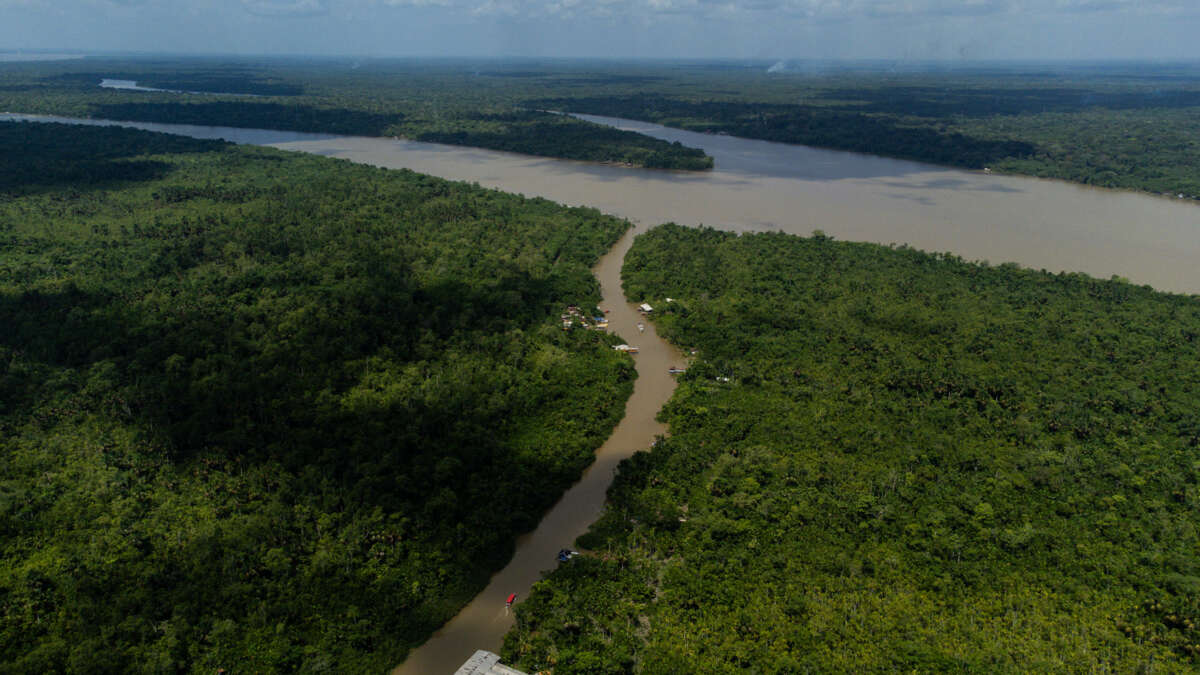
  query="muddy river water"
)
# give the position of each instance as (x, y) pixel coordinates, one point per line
(483, 623)
(768, 186)
(759, 185)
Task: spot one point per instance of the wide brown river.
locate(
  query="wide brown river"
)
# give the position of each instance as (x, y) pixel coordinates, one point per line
(759, 185)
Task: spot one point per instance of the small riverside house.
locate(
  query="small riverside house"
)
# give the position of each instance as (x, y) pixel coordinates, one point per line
(484, 662)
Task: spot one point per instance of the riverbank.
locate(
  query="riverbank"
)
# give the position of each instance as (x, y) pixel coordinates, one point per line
(764, 186)
(892, 460)
(483, 623)
(316, 403)
(803, 189)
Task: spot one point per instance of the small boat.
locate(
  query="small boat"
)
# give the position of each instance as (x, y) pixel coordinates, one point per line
(641, 327)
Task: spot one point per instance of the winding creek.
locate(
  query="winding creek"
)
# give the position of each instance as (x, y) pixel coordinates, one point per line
(483, 623)
(758, 185)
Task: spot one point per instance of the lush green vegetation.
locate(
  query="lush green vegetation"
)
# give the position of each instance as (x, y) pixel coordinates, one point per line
(541, 133)
(204, 77)
(808, 125)
(1132, 127)
(327, 97)
(889, 460)
(268, 412)
(1129, 126)
(252, 115)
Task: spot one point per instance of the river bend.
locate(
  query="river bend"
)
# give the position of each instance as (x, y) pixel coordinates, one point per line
(759, 185)
(756, 186)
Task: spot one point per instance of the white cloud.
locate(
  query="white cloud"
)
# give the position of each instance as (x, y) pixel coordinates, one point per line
(285, 8)
(418, 3)
(820, 10)
(767, 29)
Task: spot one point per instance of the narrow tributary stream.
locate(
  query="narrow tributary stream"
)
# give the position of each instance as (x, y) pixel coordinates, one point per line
(483, 623)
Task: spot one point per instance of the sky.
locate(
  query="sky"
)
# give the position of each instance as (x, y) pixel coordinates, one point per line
(916, 30)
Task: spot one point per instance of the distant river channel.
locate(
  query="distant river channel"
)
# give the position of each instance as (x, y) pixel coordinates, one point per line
(759, 185)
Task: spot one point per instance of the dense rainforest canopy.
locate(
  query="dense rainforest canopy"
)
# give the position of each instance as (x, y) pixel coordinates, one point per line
(1122, 126)
(284, 412)
(271, 412)
(326, 98)
(889, 460)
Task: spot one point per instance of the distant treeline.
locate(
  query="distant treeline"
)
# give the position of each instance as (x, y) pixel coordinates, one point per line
(387, 104)
(540, 133)
(809, 125)
(1108, 125)
(884, 460)
(268, 412)
(1105, 126)
(216, 83)
(987, 98)
(253, 115)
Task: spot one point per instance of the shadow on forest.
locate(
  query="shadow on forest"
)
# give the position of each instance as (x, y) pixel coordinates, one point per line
(59, 328)
(202, 378)
(440, 462)
(253, 115)
(49, 156)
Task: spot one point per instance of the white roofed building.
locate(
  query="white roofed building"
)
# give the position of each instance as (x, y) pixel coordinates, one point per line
(484, 662)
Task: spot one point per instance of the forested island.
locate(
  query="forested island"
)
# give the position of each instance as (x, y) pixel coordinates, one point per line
(883, 459)
(271, 412)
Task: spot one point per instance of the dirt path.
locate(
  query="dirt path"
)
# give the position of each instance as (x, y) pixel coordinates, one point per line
(483, 623)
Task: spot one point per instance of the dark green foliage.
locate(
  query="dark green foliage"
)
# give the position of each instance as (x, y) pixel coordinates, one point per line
(541, 133)
(252, 115)
(214, 79)
(810, 125)
(1148, 149)
(1012, 96)
(223, 84)
(80, 158)
(1130, 126)
(270, 412)
(889, 460)
(426, 102)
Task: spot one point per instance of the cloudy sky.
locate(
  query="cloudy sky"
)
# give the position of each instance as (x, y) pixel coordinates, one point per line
(760, 29)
